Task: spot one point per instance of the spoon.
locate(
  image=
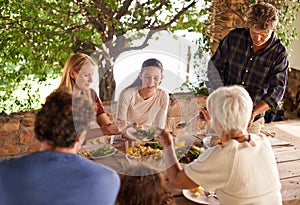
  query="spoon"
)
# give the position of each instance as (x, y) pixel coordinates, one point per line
(185, 124)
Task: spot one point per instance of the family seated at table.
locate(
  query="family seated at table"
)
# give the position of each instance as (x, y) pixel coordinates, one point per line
(142, 102)
(241, 169)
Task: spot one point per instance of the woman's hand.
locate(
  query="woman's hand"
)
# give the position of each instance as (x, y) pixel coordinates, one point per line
(203, 113)
(251, 119)
(165, 139)
(111, 129)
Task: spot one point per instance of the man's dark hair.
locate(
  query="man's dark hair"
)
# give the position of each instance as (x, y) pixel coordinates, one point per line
(63, 118)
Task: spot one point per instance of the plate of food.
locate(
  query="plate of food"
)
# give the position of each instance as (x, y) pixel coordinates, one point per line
(186, 156)
(145, 153)
(97, 151)
(106, 139)
(142, 132)
(200, 196)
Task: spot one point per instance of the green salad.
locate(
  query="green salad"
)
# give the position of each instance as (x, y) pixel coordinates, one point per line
(187, 156)
(148, 134)
(102, 151)
(154, 145)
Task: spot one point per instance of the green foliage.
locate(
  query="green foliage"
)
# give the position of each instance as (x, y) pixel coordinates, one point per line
(199, 88)
(37, 37)
(288, 11)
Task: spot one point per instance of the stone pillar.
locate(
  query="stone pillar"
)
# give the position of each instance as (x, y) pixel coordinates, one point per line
(225, 16)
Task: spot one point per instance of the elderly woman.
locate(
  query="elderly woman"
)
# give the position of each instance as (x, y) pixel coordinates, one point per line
(242, 169)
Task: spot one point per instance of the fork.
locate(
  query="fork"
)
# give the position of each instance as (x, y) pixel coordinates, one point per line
(210, 194)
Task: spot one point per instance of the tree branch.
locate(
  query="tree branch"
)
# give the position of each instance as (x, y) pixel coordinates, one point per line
(176, 17)
(122, 11)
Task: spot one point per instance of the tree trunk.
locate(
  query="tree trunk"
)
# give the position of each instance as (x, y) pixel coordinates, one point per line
(107, 85)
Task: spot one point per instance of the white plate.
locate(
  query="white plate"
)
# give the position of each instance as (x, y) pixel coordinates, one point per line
(207, 141)
(133, 134)
(99, 140)
(95, 147)
(202, 199)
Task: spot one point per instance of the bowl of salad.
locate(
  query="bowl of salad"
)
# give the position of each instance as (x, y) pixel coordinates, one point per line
(97, 151)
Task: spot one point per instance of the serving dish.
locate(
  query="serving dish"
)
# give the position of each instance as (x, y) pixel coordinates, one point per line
(147, 153)
(97, 151)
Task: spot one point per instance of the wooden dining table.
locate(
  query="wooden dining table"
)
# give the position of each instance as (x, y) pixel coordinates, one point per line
(287, 157)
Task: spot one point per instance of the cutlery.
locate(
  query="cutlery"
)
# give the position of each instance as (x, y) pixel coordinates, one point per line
(185, 124)
(210, 194)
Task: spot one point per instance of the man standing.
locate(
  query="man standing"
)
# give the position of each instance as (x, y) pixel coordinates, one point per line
(254, 58)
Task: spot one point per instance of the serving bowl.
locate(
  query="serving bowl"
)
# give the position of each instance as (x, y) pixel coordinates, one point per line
(144, 153)
(97, 151)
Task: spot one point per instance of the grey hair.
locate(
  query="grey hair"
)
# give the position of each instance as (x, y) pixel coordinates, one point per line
(231, 106)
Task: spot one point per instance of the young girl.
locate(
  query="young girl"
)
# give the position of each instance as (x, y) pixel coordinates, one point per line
(143, 102)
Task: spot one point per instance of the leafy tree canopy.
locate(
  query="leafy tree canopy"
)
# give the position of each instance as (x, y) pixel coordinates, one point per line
(37, 37)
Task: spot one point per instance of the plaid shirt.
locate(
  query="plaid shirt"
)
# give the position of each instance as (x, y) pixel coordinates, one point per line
(263, 74)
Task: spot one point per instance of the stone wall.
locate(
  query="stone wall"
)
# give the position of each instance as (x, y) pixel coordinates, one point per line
(17, 130)
(291, 103)
(17, 134)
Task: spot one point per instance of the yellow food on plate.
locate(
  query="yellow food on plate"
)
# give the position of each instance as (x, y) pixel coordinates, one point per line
(141, 150)
(141, 153)
(128, 149)
(85, 153)
(197, 191)
(180, 144)
(140, 127)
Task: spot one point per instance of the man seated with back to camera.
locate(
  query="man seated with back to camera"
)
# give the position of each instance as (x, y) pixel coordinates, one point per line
(56, 174)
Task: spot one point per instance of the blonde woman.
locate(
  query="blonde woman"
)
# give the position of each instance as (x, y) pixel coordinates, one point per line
(77, 77)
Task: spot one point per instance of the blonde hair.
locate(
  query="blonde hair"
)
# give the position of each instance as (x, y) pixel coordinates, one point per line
(74, 63)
